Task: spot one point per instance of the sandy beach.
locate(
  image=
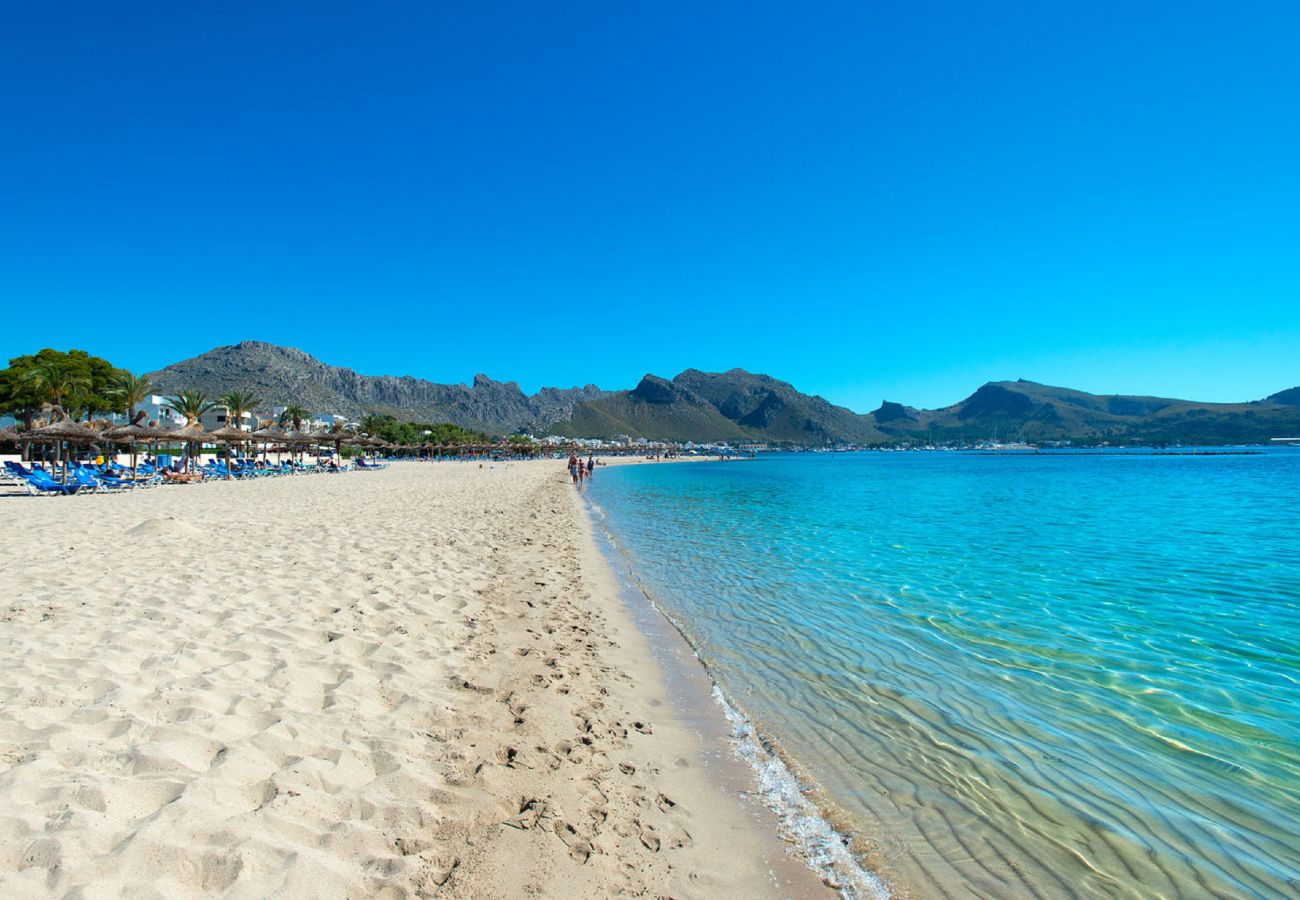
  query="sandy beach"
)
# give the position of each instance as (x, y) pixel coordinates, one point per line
(415, 682)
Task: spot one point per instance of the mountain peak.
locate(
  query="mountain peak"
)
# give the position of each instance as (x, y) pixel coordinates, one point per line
(653, 389)
(893, 412)
(284, 375)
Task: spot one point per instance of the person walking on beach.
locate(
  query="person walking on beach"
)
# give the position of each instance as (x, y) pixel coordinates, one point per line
(573, 467)
(591, 466)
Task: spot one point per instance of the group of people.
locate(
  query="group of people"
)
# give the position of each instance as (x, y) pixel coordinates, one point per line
(579, 470)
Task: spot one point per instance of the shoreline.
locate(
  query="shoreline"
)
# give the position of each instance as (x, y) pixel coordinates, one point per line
(798, 810)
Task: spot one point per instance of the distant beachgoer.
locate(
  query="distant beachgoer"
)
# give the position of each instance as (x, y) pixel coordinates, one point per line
(573, 467)
(591, 466)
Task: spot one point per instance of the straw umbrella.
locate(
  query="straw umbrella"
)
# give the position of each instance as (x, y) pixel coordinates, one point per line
(130, 434)
(299, 439)
(339, 438)
(60, 431)
(368, 443)
(320, 439)
(228, 435)
(192, 433)
(266, 435)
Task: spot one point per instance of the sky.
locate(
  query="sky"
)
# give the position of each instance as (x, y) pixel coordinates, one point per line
(870, 200)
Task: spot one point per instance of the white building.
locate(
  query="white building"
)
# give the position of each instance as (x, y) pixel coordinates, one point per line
(216, 418)
(154, 406)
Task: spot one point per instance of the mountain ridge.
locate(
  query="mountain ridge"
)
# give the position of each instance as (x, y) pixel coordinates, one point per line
(735, 405)
(283, 375)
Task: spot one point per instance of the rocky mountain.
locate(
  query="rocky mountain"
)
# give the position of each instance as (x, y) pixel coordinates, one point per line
(709, 406)
(775, 411)
(656, 408)
(732, 406)
(282, 375)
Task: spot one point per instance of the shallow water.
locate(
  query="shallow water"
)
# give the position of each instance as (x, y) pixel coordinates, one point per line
(1048, 675)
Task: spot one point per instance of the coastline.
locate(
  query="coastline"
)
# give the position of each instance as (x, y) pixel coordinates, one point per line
(417, 682)
(825, 838)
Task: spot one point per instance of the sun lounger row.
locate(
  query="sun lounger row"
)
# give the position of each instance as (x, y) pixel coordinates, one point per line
(80, 480)
(112, 477)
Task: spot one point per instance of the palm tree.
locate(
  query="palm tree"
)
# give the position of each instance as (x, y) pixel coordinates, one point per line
(371, 424)
(295, 415)
(58, 383)
(238, 404)
(130, 390)
(193, 405)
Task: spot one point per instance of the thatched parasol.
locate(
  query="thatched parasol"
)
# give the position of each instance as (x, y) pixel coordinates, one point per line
(192, 433)
(268, 435)
(227, 435)
(295, 440)
(365, 442)
(58, 432)
(63, 430)
(132, 433)
(338, 439)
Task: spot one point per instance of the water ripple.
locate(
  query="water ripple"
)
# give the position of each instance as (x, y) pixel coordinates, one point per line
(1067, 676)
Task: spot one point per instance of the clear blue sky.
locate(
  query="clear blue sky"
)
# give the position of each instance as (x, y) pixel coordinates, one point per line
(867, 199)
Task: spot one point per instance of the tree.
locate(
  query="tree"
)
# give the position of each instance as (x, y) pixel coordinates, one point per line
(373, 423)
(190, 404)
(130, 390)
(237, 404)
(86, 382)
(295, 415)
(59, 383)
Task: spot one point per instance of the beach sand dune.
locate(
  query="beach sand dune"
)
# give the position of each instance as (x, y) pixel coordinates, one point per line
(415, 682)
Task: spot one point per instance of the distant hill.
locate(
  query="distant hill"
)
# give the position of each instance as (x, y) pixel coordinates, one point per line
(1289, 397)
(725, 406)
(1016, 410)
(773, 410)
(732, 406)
(655, 408)
(282, 375)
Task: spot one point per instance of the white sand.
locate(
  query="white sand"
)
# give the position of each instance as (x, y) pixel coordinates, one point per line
(406, 683)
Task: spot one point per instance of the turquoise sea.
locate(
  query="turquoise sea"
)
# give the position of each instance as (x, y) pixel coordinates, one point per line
(1045, 675)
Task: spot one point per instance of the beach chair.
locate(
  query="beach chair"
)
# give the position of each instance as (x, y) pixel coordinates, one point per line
(40, 484)
(17, 472)
(111, 483)
(95, 483)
